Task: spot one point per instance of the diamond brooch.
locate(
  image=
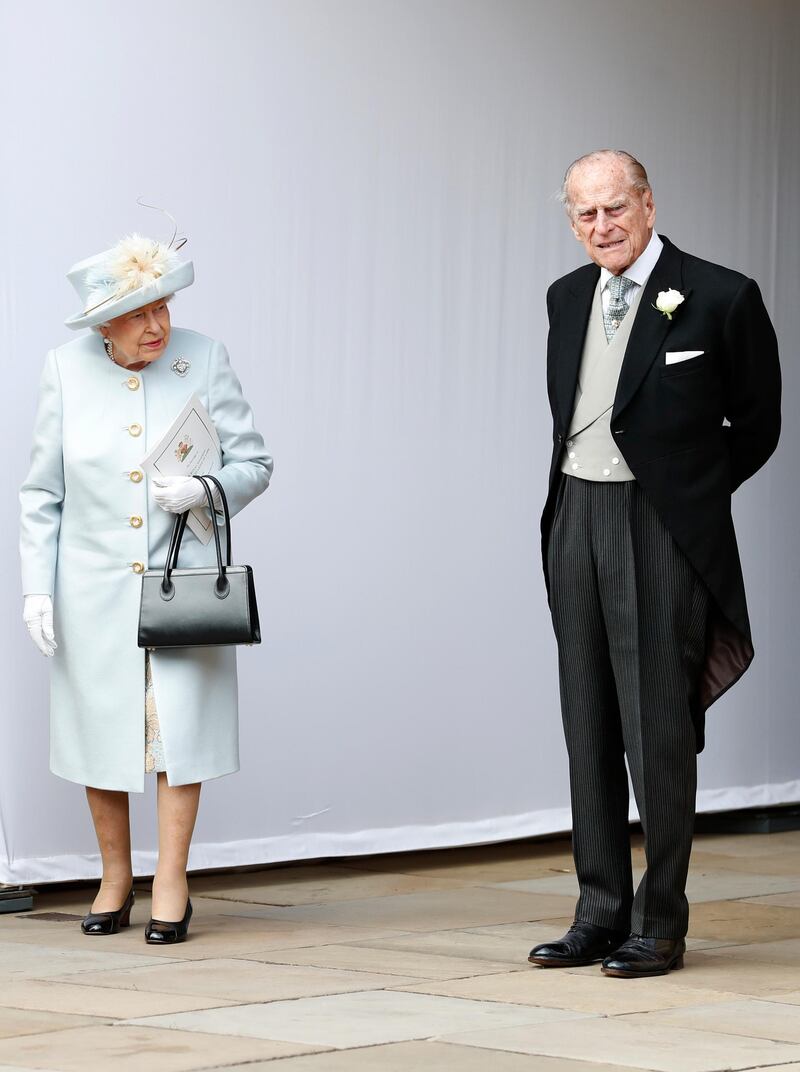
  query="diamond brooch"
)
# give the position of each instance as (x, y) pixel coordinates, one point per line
(180, 366)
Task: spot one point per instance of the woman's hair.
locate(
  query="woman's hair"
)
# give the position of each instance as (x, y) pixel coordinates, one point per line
(96, 327)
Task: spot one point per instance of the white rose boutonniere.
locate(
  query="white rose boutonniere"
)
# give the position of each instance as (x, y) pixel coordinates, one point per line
(668, 301)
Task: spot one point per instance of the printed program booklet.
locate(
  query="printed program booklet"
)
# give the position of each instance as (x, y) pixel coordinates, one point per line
(189, 447)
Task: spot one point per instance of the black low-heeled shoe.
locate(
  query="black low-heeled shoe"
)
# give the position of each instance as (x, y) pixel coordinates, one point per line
(161, 932)
(109, 922)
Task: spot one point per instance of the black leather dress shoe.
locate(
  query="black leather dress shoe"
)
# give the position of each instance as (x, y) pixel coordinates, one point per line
(584, 943)
(640, 958)
(162, 932)
(109, 922)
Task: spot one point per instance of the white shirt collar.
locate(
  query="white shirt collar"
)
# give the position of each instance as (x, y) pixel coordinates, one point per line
(640, 270)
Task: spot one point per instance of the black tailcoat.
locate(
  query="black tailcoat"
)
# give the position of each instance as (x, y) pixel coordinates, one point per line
(691, 432)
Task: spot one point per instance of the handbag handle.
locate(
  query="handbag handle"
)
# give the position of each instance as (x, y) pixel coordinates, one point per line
(222, 586)
(174, 542)
(225, 511)
(172, 554)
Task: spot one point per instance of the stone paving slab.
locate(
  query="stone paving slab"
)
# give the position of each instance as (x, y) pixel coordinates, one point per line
(362, 1019)
(740, 922)
(752, 1018)
(124, 1048)
(239, 980)
(366, 958)
(14, 1022)
(315, 885)
(426, 1057)
(580, 990)
(62, 994)
(33, 961)
(435, 910)
(635, 1044)
(703, 884)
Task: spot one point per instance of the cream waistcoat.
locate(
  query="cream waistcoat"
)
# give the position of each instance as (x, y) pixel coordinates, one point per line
(591, 452)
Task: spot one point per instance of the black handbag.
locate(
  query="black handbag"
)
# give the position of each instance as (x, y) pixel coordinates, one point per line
(200, 607)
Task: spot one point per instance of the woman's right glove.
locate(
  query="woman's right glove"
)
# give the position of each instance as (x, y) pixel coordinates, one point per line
(176, 494)
(38, 615)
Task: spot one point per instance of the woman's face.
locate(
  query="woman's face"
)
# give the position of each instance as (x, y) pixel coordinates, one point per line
(141, 335)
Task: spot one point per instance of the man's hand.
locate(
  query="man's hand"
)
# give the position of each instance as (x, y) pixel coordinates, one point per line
(38, 615)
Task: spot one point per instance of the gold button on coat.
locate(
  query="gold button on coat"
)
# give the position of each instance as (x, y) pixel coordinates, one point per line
(132, 383)
(134, 429)
(137, 567)
(136, 522)
(136, 476)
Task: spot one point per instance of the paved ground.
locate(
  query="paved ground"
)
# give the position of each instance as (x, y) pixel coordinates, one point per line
(409, 962)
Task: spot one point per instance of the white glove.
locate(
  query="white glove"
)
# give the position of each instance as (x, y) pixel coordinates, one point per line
(38, 615)
(177, 494)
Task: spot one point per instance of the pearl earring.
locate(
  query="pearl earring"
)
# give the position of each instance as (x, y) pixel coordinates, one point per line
(109, 349)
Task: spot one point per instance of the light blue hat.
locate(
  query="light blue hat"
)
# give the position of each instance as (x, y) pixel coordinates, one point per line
(135, 272)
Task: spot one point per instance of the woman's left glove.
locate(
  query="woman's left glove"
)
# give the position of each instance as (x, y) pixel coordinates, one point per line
(38, 614)
(177, 494)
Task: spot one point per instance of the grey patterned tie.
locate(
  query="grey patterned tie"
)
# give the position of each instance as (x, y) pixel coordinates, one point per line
(618, 286)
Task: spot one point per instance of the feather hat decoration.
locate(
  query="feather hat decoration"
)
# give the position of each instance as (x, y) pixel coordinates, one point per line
(136, 271)
(132, 264)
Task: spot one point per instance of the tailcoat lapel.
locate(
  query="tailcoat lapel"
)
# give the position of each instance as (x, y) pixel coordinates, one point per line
(571, 342)
(650, 328)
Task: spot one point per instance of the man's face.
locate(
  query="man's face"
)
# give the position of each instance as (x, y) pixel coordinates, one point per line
(612, 220)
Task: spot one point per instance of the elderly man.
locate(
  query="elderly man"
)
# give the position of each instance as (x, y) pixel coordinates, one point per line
(663, 377)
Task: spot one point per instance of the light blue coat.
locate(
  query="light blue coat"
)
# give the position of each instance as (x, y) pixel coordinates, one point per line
(79, 543)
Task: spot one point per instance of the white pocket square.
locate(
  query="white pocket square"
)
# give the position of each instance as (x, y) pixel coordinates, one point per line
(674, 356)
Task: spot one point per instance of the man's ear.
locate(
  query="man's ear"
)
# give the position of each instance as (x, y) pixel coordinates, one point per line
(649, 208)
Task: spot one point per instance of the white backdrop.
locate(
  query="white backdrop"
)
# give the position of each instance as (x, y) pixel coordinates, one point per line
(367, 186)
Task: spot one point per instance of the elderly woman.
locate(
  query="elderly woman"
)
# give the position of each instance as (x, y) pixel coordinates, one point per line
(91, 524)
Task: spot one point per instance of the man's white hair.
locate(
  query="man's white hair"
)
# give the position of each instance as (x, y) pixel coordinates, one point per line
(636, 172)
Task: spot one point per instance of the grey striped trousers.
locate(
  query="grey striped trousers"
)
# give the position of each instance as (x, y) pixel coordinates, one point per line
(629, 614)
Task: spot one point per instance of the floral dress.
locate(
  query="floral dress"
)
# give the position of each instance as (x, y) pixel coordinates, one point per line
(153, 746)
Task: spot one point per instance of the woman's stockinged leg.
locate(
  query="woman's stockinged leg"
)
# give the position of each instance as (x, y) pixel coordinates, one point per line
(109, 810)
(177, 812)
